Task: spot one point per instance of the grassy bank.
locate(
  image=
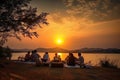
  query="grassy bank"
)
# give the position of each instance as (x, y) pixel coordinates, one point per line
(19, 71)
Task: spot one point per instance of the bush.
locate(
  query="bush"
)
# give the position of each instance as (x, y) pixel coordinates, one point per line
(108, 63)
(5, 52)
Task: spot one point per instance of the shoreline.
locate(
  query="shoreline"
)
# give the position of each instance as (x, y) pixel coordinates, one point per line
(31, 72)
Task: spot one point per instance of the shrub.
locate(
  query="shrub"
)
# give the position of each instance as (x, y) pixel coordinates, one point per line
(5, 52)
(108, 63)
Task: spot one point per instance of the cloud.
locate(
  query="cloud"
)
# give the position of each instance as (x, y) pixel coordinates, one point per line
(97, 10)
(68, 22)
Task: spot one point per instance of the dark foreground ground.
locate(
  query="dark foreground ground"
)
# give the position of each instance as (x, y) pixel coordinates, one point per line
(20, 71)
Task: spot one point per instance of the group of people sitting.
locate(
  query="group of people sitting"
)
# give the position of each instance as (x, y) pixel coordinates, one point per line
(70, 60)
(33, 57)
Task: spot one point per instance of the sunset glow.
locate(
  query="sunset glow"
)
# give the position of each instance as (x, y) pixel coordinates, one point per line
(74, 25)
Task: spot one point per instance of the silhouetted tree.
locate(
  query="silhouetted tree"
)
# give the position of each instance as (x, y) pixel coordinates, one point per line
(17, 18)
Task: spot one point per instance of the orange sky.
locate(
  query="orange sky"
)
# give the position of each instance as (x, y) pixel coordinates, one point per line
(76, 29)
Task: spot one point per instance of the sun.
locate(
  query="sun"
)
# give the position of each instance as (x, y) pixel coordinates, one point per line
(59, 41)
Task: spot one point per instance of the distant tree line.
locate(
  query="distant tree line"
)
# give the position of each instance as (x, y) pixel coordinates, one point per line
(97, 50)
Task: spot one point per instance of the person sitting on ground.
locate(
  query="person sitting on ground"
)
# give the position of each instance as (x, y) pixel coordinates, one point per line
(27, 56)
(56, 58)
(59, 57)
(81, 60)
(45, 57)
(70, 59)
(57, 61)
(37, 58)
(32, 56)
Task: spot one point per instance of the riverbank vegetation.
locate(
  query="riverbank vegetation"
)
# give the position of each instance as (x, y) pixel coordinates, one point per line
(108, 63)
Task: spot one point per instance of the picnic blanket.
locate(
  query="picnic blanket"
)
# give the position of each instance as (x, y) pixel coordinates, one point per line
(78, 66)
(25, 62)
(67, 66)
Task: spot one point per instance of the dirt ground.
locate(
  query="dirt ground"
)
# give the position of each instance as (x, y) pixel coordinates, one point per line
(20, 71)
